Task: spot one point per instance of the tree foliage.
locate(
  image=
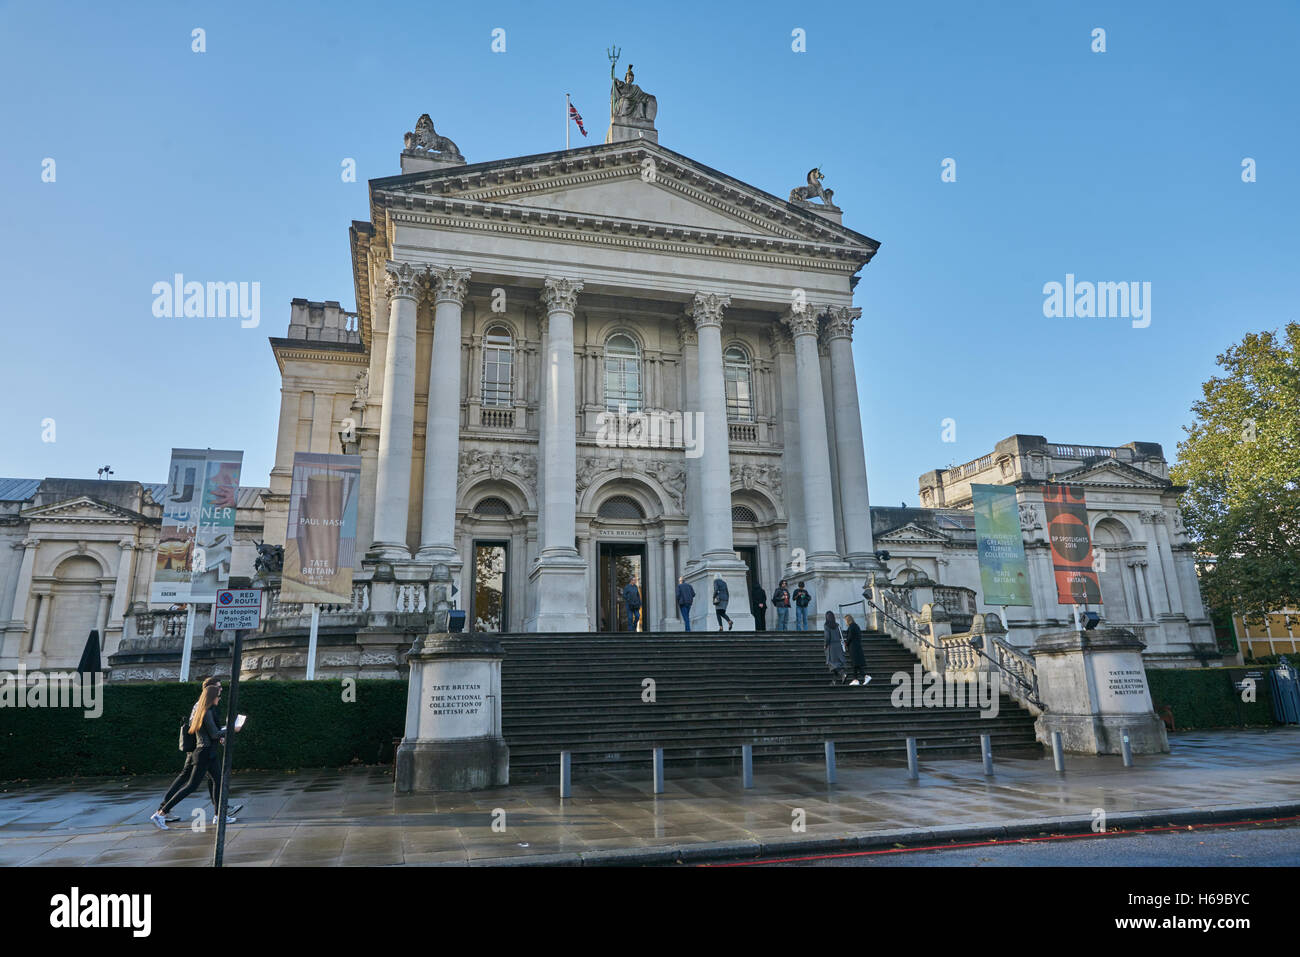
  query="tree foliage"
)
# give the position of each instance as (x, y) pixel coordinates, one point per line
(1241, 465)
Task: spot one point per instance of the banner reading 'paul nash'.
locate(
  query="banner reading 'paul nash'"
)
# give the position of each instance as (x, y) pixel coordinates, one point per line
(1004, 574)
(320, 547)
(1067, 528)
(198, 526)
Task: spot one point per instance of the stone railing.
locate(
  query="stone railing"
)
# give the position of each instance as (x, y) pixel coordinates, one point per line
(904, 625)
(278, 611)
(959, 602)
(1080, 451)
(165, 631)
(412, 598)
(497, 418)
(745, 433)
(984, 648)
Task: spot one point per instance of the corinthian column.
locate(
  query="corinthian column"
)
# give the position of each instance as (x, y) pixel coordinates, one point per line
(560, 575)
(397, 417)
(851, 453)
(814, 450)
(713, 526)
(442, 424)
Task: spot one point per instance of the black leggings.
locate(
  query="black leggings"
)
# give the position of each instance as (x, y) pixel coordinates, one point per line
(722, 613)
(198, 764)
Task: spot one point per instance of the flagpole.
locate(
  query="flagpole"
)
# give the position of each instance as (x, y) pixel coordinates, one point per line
(566, 121)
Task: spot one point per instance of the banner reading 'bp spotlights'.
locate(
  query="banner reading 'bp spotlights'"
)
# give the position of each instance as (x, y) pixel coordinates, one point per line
(1067, 528)
(198, 526)
(1004, 574)
(320, 547)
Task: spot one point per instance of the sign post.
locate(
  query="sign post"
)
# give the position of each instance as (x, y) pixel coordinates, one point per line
(240, 610)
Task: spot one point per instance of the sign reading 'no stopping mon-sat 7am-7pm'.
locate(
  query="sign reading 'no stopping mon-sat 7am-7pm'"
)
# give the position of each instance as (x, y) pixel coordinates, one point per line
(238, 609)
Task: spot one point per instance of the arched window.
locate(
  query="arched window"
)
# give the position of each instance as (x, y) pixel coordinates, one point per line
(492, 506)
(622, 373)
(740, 391)
(498, 363)
(620, 506)
(743, 513)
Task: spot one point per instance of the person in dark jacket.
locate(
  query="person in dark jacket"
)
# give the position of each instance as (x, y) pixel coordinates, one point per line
(632, 599)
(758, 599)
(207, 737)
(781, 601)
(685, 599)
(834, 649)
(853, 645)
(720, 599)
(802, 599)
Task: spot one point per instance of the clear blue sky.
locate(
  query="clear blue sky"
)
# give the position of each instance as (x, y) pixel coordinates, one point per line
(1122, 166)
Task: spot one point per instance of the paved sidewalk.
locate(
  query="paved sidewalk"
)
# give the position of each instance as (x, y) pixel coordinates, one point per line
(351, 816)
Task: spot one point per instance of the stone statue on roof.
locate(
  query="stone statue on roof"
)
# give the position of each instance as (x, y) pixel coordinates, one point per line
(626, 99)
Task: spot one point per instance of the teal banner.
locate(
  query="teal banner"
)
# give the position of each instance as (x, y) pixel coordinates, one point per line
(1004, 573)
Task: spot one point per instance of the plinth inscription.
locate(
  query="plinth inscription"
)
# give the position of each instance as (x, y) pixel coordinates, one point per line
(449, 700)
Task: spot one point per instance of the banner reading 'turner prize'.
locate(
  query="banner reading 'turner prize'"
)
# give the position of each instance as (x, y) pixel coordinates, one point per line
(1067, 528)
(320, 545)
(198, 526)
(1004, 573)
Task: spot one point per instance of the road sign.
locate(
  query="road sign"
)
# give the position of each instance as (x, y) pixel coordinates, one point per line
(238, 609)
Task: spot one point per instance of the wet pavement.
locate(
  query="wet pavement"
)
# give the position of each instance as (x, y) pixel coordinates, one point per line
(351, 817)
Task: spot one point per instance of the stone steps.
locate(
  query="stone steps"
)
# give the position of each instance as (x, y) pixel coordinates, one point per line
(713, 693)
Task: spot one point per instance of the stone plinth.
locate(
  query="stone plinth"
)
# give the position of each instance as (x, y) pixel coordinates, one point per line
(453, 717)
(1095, 687)
(701, 576)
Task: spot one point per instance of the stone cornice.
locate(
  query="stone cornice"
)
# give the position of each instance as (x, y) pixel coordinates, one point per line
(637, 234)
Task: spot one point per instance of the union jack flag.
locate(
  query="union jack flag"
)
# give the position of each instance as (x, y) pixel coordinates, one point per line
(577, 118)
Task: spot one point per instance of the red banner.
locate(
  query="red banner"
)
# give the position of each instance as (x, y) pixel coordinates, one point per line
(1067, 529)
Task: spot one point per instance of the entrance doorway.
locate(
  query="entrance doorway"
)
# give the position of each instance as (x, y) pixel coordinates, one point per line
(618, 563)
(488, 592)
(749, 555)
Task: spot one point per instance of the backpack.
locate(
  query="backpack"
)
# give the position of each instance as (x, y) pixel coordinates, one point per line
(188, 740)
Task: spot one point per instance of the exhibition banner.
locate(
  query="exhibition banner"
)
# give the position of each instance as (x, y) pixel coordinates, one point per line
(1004, 573)
(198, 526)
(1067, 529)
(321, 540)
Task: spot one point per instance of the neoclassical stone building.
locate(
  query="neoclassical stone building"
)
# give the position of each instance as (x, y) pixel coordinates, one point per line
(571, 368)
(1144, 560)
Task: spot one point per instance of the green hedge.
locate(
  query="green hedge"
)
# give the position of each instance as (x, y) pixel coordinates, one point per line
(1207, 698)
(291, 724)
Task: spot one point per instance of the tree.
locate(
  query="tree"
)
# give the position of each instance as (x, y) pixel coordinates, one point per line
(1241, 466)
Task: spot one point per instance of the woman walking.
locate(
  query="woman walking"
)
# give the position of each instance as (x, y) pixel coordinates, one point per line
(857, 660)
(834, 649)
(203, 725)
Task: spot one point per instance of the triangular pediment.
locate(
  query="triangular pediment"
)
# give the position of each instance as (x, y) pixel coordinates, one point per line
(82, 509)
(629, 196)
(913, 533)
(1110, 472)
(641, 188)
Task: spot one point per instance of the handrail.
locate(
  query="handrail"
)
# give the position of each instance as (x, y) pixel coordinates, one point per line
(906, 627)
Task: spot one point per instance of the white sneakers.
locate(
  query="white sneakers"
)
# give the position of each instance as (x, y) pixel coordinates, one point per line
(854, 681)
(159, 821)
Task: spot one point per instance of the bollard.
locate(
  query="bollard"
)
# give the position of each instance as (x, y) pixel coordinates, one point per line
(659, 770)
(747, 764)
(566, 774)
(986, 748)
(912, 771)
(1058, 754)
(830, 762)
(1128, 750)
